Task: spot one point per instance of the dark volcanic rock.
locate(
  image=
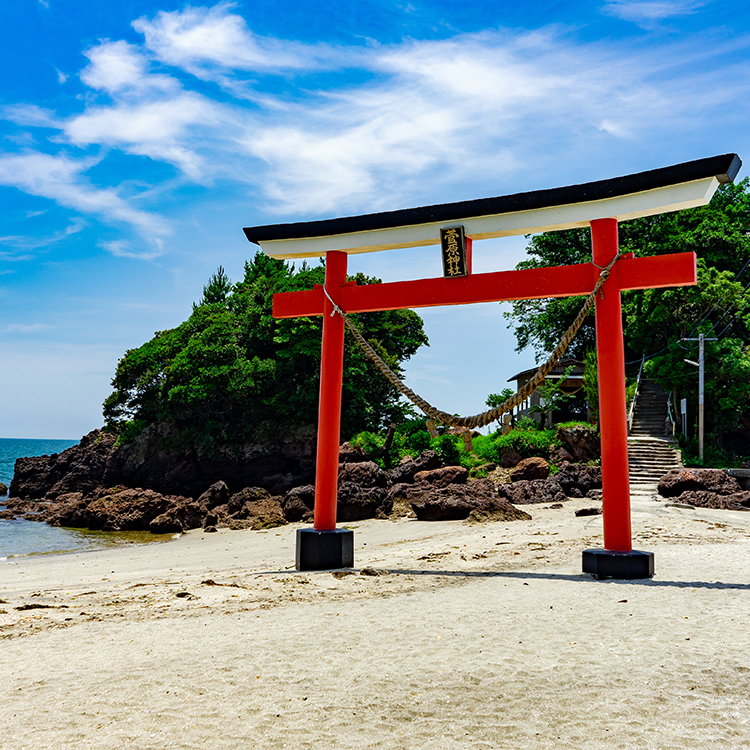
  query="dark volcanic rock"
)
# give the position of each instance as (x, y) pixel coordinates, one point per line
(255, 505)
(577, 480)
(406, 470)
(581, 442)
(509, 457)
(216, 494)
(444, 476)
(528, 492)
(588, 512)
(3, 489)
(273, 465)
(365, 473)
(530, 468)
(717, 481)
(349, 454)
(457, 501)
(119, 510)
(299, 503)
(355, 503)
(705, 499)
(80, 468)
(498, 509)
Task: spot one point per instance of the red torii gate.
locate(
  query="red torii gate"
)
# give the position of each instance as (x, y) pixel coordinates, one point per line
(599, 205)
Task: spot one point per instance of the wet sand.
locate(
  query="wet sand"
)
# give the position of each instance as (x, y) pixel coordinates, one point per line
(445, 635)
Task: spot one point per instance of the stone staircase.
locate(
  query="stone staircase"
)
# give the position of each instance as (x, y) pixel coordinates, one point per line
(651, 454)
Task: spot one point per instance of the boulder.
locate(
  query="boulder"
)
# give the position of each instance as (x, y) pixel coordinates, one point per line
(530, 468)
(3, 489)
(355, 503)
(299, 503)
(528, 492)
(406, 470)
(364, 473)
(717, 481)
(444, 476)
(216, 494)
(350, 454)
(577, 480)
(705, 499)
(256, 506)
(509, 457)
(458, 501)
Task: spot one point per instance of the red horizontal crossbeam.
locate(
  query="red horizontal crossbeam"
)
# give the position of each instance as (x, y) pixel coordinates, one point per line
(531, 283)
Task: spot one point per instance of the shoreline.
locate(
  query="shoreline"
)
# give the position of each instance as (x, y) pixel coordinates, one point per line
(444, 635)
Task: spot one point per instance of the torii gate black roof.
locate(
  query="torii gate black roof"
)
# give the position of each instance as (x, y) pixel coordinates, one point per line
(724, 168)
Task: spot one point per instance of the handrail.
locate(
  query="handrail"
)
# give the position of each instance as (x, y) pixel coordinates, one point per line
(631, 411)
(670, 413)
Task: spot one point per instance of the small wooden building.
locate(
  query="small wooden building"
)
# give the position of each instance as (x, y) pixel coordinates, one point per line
(572, 384)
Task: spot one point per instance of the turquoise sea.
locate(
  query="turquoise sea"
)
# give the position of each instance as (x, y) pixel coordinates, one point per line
(19, 537)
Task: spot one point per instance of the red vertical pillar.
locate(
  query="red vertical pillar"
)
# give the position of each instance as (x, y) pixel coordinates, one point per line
(329, 405)
(613, 418)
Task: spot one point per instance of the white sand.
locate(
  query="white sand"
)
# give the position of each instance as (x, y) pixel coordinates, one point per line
(479, 636)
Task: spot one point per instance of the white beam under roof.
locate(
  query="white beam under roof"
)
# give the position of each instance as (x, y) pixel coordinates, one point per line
(658, 191)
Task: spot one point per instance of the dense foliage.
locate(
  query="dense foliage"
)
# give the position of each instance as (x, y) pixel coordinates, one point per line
(232, 371)
(411, 438)
(656, 320)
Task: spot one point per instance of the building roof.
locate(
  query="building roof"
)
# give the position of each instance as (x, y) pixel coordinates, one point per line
(563, 365)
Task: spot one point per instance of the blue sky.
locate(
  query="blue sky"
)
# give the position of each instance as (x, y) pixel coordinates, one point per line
(138, 138)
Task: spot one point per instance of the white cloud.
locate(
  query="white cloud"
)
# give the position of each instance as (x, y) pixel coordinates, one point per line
(157, 129)
(198, 37)
(30, 114)
(59, 178)
(121, 249)
(31, 240)
(118, 66)
(648, 12)
(61, 77)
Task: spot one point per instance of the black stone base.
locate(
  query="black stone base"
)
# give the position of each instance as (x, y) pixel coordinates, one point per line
(325, 550)
(603, 563)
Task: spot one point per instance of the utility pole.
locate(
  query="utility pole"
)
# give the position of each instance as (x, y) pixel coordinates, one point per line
(700, 365)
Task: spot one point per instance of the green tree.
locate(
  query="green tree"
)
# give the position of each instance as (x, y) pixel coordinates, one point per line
(655, 320)
(232, 370)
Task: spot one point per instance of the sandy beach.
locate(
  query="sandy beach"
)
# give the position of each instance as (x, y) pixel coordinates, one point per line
(445, 635)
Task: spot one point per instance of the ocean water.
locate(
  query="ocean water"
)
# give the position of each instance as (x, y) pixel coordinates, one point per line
(19, 537)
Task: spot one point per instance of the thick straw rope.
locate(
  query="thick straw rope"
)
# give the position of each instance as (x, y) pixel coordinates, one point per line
(485, 418)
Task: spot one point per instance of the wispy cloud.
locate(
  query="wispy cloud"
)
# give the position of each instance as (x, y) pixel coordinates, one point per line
(204, 40)
(26, 327)
(33, 241)
(485, 105)
(648, 13)
(61, 179)
(122, 249)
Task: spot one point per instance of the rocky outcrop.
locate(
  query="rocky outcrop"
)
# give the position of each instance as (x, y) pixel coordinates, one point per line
(81, 468)
(717, 481)
(406, 470)
(97, 463)
(705, 499)
(533, 491)
(366, 473)
(704, 488)
(3, 489)
(459, 501)
(579, 443)
(577, 480)
(443, 477)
